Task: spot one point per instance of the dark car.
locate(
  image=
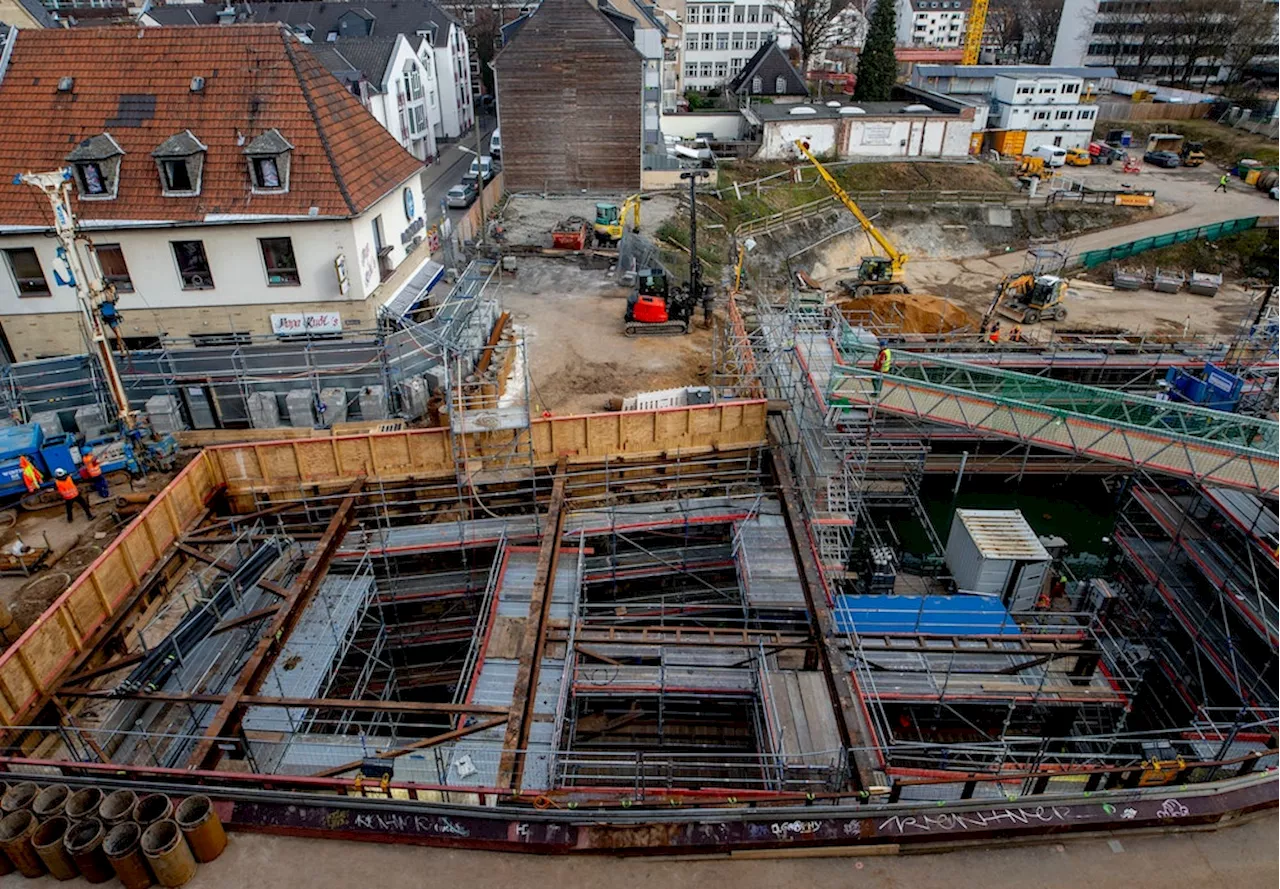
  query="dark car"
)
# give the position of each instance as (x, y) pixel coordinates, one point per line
(1162, 159)
(461, 195)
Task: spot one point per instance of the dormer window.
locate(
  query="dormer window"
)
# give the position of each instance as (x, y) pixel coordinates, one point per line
(96, 165)
(180, 160)
(269, 156)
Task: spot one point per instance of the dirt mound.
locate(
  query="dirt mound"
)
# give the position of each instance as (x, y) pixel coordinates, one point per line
(910, 312)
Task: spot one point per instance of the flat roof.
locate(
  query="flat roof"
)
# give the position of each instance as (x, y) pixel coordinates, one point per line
(897, 108)
(1012, 71)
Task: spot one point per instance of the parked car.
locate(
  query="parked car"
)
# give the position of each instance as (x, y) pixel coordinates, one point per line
(495, 143)
(478, 163)
(1162, 159)
(462, 195)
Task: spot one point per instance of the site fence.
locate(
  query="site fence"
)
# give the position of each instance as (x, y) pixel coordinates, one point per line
(1092, 258)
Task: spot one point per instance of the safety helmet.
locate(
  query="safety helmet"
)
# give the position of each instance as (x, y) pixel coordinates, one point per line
(59, 473)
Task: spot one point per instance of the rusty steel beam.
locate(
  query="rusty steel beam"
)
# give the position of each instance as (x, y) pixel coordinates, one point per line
(856, 732)
(109, 667)
(227, 568)
(529, 655)
(226, 721)
(433, 741)
(160, 697)
(232, 623)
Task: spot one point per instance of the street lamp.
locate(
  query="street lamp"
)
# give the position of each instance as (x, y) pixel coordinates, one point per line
(695, 266)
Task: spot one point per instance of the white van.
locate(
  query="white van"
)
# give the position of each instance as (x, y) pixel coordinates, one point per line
(1052, 154)
(495, 144)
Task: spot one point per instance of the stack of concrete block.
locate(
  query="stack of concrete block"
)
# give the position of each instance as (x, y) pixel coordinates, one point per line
(297, 404)
(162, 411)
(333, 406)
(264, 410)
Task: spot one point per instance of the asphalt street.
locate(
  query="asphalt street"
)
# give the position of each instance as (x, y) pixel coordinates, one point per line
(448, 169)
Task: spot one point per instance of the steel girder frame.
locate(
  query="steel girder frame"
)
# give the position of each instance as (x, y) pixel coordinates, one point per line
(1206, 446)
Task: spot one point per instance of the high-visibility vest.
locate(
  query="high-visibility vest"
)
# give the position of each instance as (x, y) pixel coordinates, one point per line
(30, 477)
(883, 361)
(67, 488)
(92, 467)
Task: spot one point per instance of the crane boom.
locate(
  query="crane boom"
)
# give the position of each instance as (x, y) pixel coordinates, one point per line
(897, 260)
(973, 32)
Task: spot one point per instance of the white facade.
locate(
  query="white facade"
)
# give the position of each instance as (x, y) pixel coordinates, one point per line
(1048, 108)
(720, 38)
(236, 267)
(407, 101)
(451, 59)
(917, 135)
(939, 23)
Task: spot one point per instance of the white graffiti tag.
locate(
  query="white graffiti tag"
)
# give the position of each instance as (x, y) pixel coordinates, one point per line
(784, 829)
(1129, 814)
(1172, 809)
(904, 824)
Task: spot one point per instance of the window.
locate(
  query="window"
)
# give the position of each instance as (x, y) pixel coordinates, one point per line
(27, 273)
(1064, 115)
(722, 40)
(213, 340)
(282, 268)
(89, 178)
(737, 40)
(753, 40)
(708, 70)
(266, 172)
(780, 84)
(753, 13)
(757, 85)
(269, 158)
(175, 175)
(723, 16)
(114, 270)
(691, 69)
(1024, 90)
(739, 15)
(1070, 87)
(691, 41)
(694, 15)
(193, 265)
(96, 162)
(708, 40)
(1042, 115)
(722, 70)
(766, 15)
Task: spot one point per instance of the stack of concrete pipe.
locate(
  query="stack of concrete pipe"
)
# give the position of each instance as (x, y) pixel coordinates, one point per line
(97, 835)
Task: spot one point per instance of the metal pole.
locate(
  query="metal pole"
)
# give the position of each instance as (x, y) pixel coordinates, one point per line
(475, 118)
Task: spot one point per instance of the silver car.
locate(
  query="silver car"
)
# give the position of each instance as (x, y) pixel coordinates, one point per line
(462, 195)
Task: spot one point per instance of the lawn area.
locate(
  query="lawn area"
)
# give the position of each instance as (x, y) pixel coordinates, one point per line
(1222, 144)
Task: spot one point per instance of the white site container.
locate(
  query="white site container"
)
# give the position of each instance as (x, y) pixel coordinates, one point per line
(994, 552)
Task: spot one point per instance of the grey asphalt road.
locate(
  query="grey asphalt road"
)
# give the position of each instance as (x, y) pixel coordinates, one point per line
(447, 171)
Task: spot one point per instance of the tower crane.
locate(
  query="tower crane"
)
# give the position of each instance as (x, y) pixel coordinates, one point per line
(973, 32)
(96, 296)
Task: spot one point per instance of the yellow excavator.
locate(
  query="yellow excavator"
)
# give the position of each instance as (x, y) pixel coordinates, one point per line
(876, 274)
(610, 220)
(1028, 299)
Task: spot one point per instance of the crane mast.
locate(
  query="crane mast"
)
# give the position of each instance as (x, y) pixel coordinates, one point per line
(92, 291)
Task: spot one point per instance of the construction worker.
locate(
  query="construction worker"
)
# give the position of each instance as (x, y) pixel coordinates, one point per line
(71, 495)
(31, 477)
(1015, 335)
(884, 360)
(91, 469)
(994, 336)
(1222, 183)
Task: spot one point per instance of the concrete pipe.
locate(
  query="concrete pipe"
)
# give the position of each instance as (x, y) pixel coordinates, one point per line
(168, 853)
(202, 827)
(123, 848)
(50, 802)
(16, 829)
(83, 804)
(84, 843)
(117, 807)
(152, 808)
(18, 797)
(49, 844)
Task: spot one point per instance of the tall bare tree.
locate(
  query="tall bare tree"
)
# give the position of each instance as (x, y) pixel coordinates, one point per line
(1040, 20)
(812, 24)
(1200, 33)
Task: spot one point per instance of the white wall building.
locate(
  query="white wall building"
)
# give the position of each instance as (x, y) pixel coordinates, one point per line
(939, 23)
(719, 39)
(1047, 108)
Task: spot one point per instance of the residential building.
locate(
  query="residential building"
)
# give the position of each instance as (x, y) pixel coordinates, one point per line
(1049, 109)
(438, 39)
(939, 23)
(1131, 37)
(720, 38)
(25, 14)
(231, 186)
(768, 73)
(571, 92)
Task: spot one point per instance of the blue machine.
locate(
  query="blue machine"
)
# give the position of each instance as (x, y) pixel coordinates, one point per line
(1213, 388)
(53, 452)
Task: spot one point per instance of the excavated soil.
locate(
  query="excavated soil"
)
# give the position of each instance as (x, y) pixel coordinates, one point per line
(910, 312)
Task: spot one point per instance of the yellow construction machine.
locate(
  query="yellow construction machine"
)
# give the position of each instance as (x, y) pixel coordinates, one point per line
(1029, 167)
(610, 220)
(876, 274)
(1028, 299)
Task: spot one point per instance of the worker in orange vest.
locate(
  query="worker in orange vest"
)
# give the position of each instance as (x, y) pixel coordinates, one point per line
(994, 336)
(66, 486)
(31, 477)
(91, 469)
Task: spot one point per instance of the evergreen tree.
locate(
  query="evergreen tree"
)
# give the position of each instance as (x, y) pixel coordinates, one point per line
(877, 65)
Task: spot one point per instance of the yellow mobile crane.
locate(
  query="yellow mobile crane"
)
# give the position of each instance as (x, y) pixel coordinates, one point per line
(876, 274)
(973, 33)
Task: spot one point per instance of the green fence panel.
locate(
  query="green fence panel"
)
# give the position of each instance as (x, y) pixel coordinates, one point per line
(1092, 258)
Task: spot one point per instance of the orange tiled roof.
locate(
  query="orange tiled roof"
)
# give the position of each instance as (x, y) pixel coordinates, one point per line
(135, 83)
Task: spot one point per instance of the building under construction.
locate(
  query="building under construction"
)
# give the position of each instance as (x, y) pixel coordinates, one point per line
(684, 606)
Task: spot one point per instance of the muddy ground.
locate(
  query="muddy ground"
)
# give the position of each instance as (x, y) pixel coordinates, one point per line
(529, 220)
(578, 355)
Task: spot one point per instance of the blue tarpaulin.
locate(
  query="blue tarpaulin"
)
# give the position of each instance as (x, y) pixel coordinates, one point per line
(957, 615)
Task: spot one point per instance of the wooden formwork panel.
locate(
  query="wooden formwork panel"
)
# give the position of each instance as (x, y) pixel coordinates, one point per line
(34, 664)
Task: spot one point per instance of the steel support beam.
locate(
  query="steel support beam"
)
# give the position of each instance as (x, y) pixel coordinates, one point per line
(159, 697)
(511, 766)
(226, 721)
(433, 741)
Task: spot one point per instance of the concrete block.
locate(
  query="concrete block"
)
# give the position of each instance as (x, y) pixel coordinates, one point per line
(264, 410)
(298, 405)
(373, 403)
(90, 421)
(162, 411)
(49, 421)
(333, 406)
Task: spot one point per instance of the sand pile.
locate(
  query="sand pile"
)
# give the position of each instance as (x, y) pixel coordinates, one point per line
(908, 312)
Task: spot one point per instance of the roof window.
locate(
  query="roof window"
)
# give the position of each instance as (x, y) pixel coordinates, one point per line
(96, 165)
(269, 155)
(180, 159)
